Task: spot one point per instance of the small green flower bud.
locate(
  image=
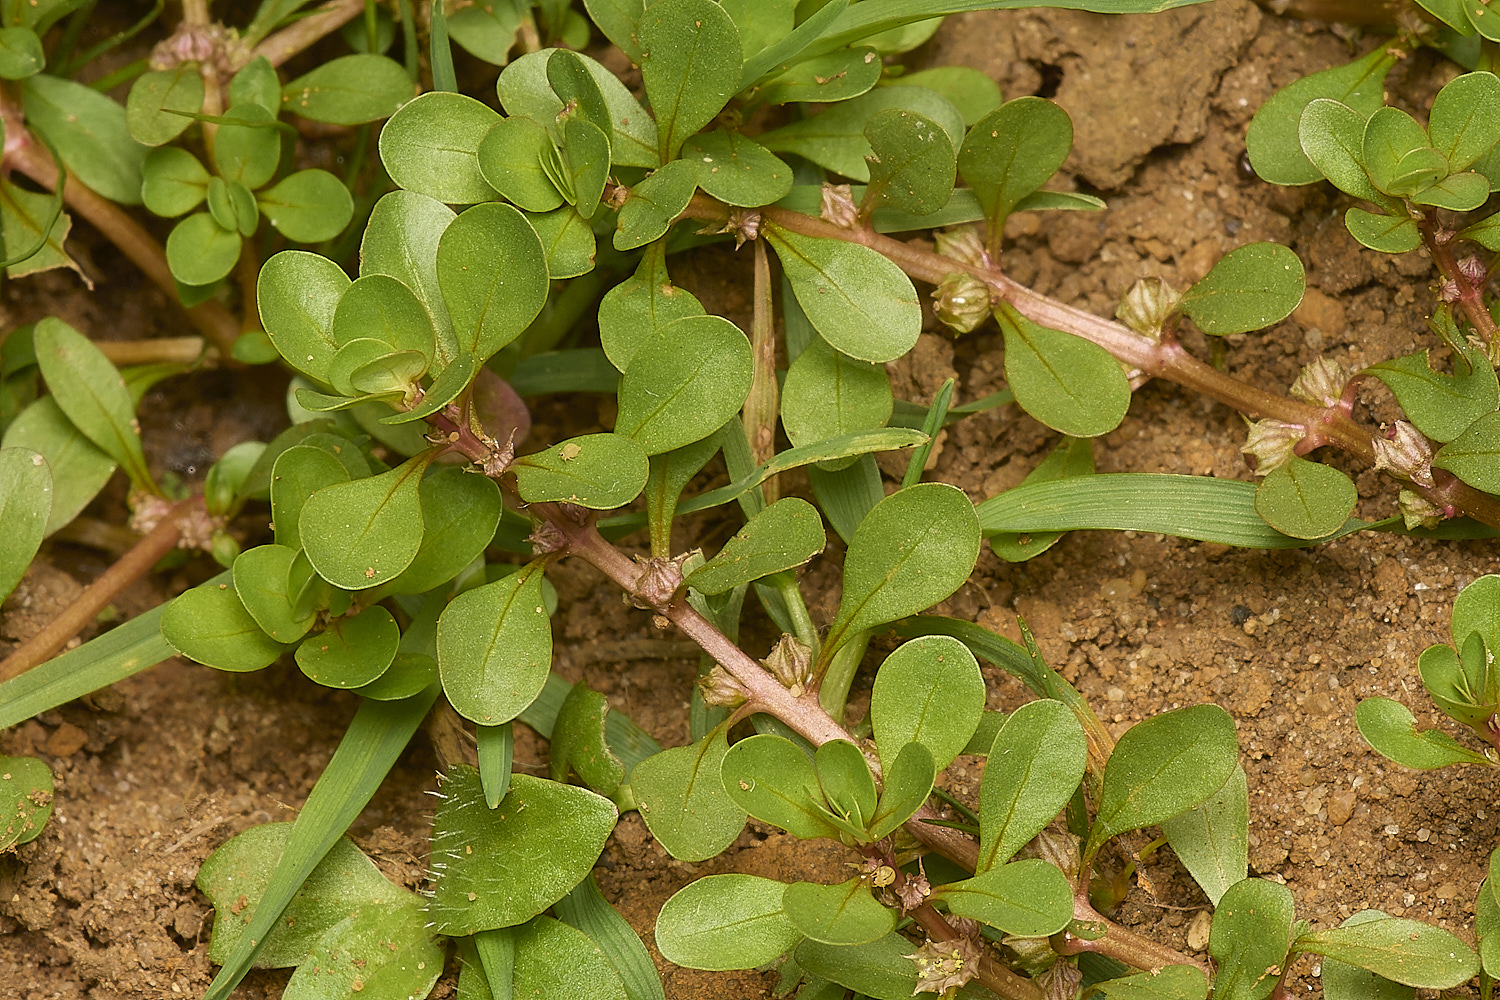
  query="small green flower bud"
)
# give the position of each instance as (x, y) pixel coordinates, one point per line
(1147, 306)
(963, 245)
(963, 301)
(224, 548)
(1321, 383)
(1418, 511)
(1271, 443)
(1406, 453)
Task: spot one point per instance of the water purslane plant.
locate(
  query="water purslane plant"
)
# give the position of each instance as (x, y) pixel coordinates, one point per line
(412, 529)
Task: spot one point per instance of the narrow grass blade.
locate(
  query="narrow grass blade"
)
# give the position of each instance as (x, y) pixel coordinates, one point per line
(586, 909)
(936, 414)
(1197, 507)
(373, 741)
(495, 745)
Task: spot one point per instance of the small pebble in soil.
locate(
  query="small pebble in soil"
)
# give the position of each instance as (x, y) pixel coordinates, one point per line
(1198, 931)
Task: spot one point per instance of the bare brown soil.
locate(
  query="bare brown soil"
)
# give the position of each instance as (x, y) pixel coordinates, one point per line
(155, 773)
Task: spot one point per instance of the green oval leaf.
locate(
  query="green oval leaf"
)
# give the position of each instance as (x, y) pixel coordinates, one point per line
(567, 241)
(235, 876)
(247, 153)
(1248, 289)
(786, 534)
(1306, 499)
(1271, 140)
(200, 251)
(1028, 898)
(493, 273)
(1251, 932)
(173, 182)
(835, 76)
(151, 110)
(89, 131)
(597, 471)
(654, 204)
(510, 159)
(378, 307)
(927, 691)
(353, 651)
(382, 950)
(912, 168)
(1034, 766)
(738, 170)
(79, 469)
(500, 867)
(1391, 730)
(401, 240)
(350, 90)
(25, 505)
(298, 473)
(1345, 982)
(725, 922)
(260, 580)
(459, 514)
(210, 625)
(908, 782)
(880, 970)
(1477, 609)
(827, 394)
(1012, 152)
(1471, 456)
(21, 53)
(363, 533)
(494, 646)
(93, 395)
(553, 957)
(636, 309)
(682, 799)
(844, 914)
(914, 549)
(1441, 406)
(1385, 233)
(431, 146)
(578, 742)
(684, 383)
(1212, 838)
(860, 302)
(585, 161)
(1164, 766)
(769, 778)
(298, 295)
(1333, 136)
(1391, 136)
(1465, 119)
(1068, 383)
(25, 800)
(690, 65)
(848, 787)
(309, 206)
